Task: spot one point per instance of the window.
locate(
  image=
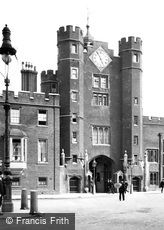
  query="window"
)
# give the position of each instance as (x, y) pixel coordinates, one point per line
(74, 137)
(15, 181)
(105, 99)
(135, 140)
(100, 99)
(53, 88)
(135, 58)
(101, 135)
(15, 116)
(106, 135)
(42, 117)
(95, 99)
(18, 149)
(42, 181)
(154, 178)
(16, 144)
(135, 120)
(74, 118)
(104, 82)
(74, 96)
(74, 73)
(95, 135)
(100, 81)
(74, 158)
(136, 100)
(42, 151)
(74, 49)
(96, 82)
(152, 155)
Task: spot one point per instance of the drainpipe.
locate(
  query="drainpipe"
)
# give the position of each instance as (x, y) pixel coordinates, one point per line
(160, 156)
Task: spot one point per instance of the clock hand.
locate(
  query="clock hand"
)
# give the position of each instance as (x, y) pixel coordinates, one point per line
(100, 58)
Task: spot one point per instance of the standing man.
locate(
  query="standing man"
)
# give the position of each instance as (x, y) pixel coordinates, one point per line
(161, 185)
(122, 190)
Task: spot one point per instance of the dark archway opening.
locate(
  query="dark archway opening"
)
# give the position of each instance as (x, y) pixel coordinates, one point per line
(74, 184)
(103, 170)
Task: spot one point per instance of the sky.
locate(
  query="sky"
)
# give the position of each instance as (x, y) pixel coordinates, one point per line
(34, 25)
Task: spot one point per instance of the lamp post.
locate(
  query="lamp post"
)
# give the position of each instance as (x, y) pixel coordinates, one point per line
(84, 161)
(128, 165)
(125, 165)
(94, 163)
(145, 162)
(85, 169)
(6, 51)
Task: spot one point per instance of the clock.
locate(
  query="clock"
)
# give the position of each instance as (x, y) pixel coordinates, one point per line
(100, 58)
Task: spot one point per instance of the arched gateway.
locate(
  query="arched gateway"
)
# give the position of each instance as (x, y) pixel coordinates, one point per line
(103, 170)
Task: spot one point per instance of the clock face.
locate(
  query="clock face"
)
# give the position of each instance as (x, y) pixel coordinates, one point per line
(100, 58)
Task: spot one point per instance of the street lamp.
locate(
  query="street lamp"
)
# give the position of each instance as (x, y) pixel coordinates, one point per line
(94, 163)
(6, 51)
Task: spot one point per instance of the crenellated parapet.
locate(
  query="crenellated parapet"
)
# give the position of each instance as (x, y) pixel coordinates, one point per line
(153, 120)
(49, 82)
(31, 98)
(48, 75)
(70, 33)
(132, 43)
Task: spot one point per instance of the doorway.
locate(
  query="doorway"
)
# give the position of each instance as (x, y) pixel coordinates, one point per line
(74, 184)
(103, 171)
(136, 184)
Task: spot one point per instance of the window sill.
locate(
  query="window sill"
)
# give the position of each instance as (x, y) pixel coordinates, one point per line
(103, 89)
(102, 145)
(18, 164)
(101, 105)
(15, 123)
(43, 163)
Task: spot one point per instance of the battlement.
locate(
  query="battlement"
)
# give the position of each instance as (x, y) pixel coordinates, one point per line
(133, 43)
(31, 98)
(70, 33)
(153, 120)
(48, 75)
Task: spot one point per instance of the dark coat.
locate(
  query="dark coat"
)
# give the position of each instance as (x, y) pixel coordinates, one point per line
(122, 188)
(161, 184)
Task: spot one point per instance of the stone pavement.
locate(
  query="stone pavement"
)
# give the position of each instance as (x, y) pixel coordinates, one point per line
(139, 211)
